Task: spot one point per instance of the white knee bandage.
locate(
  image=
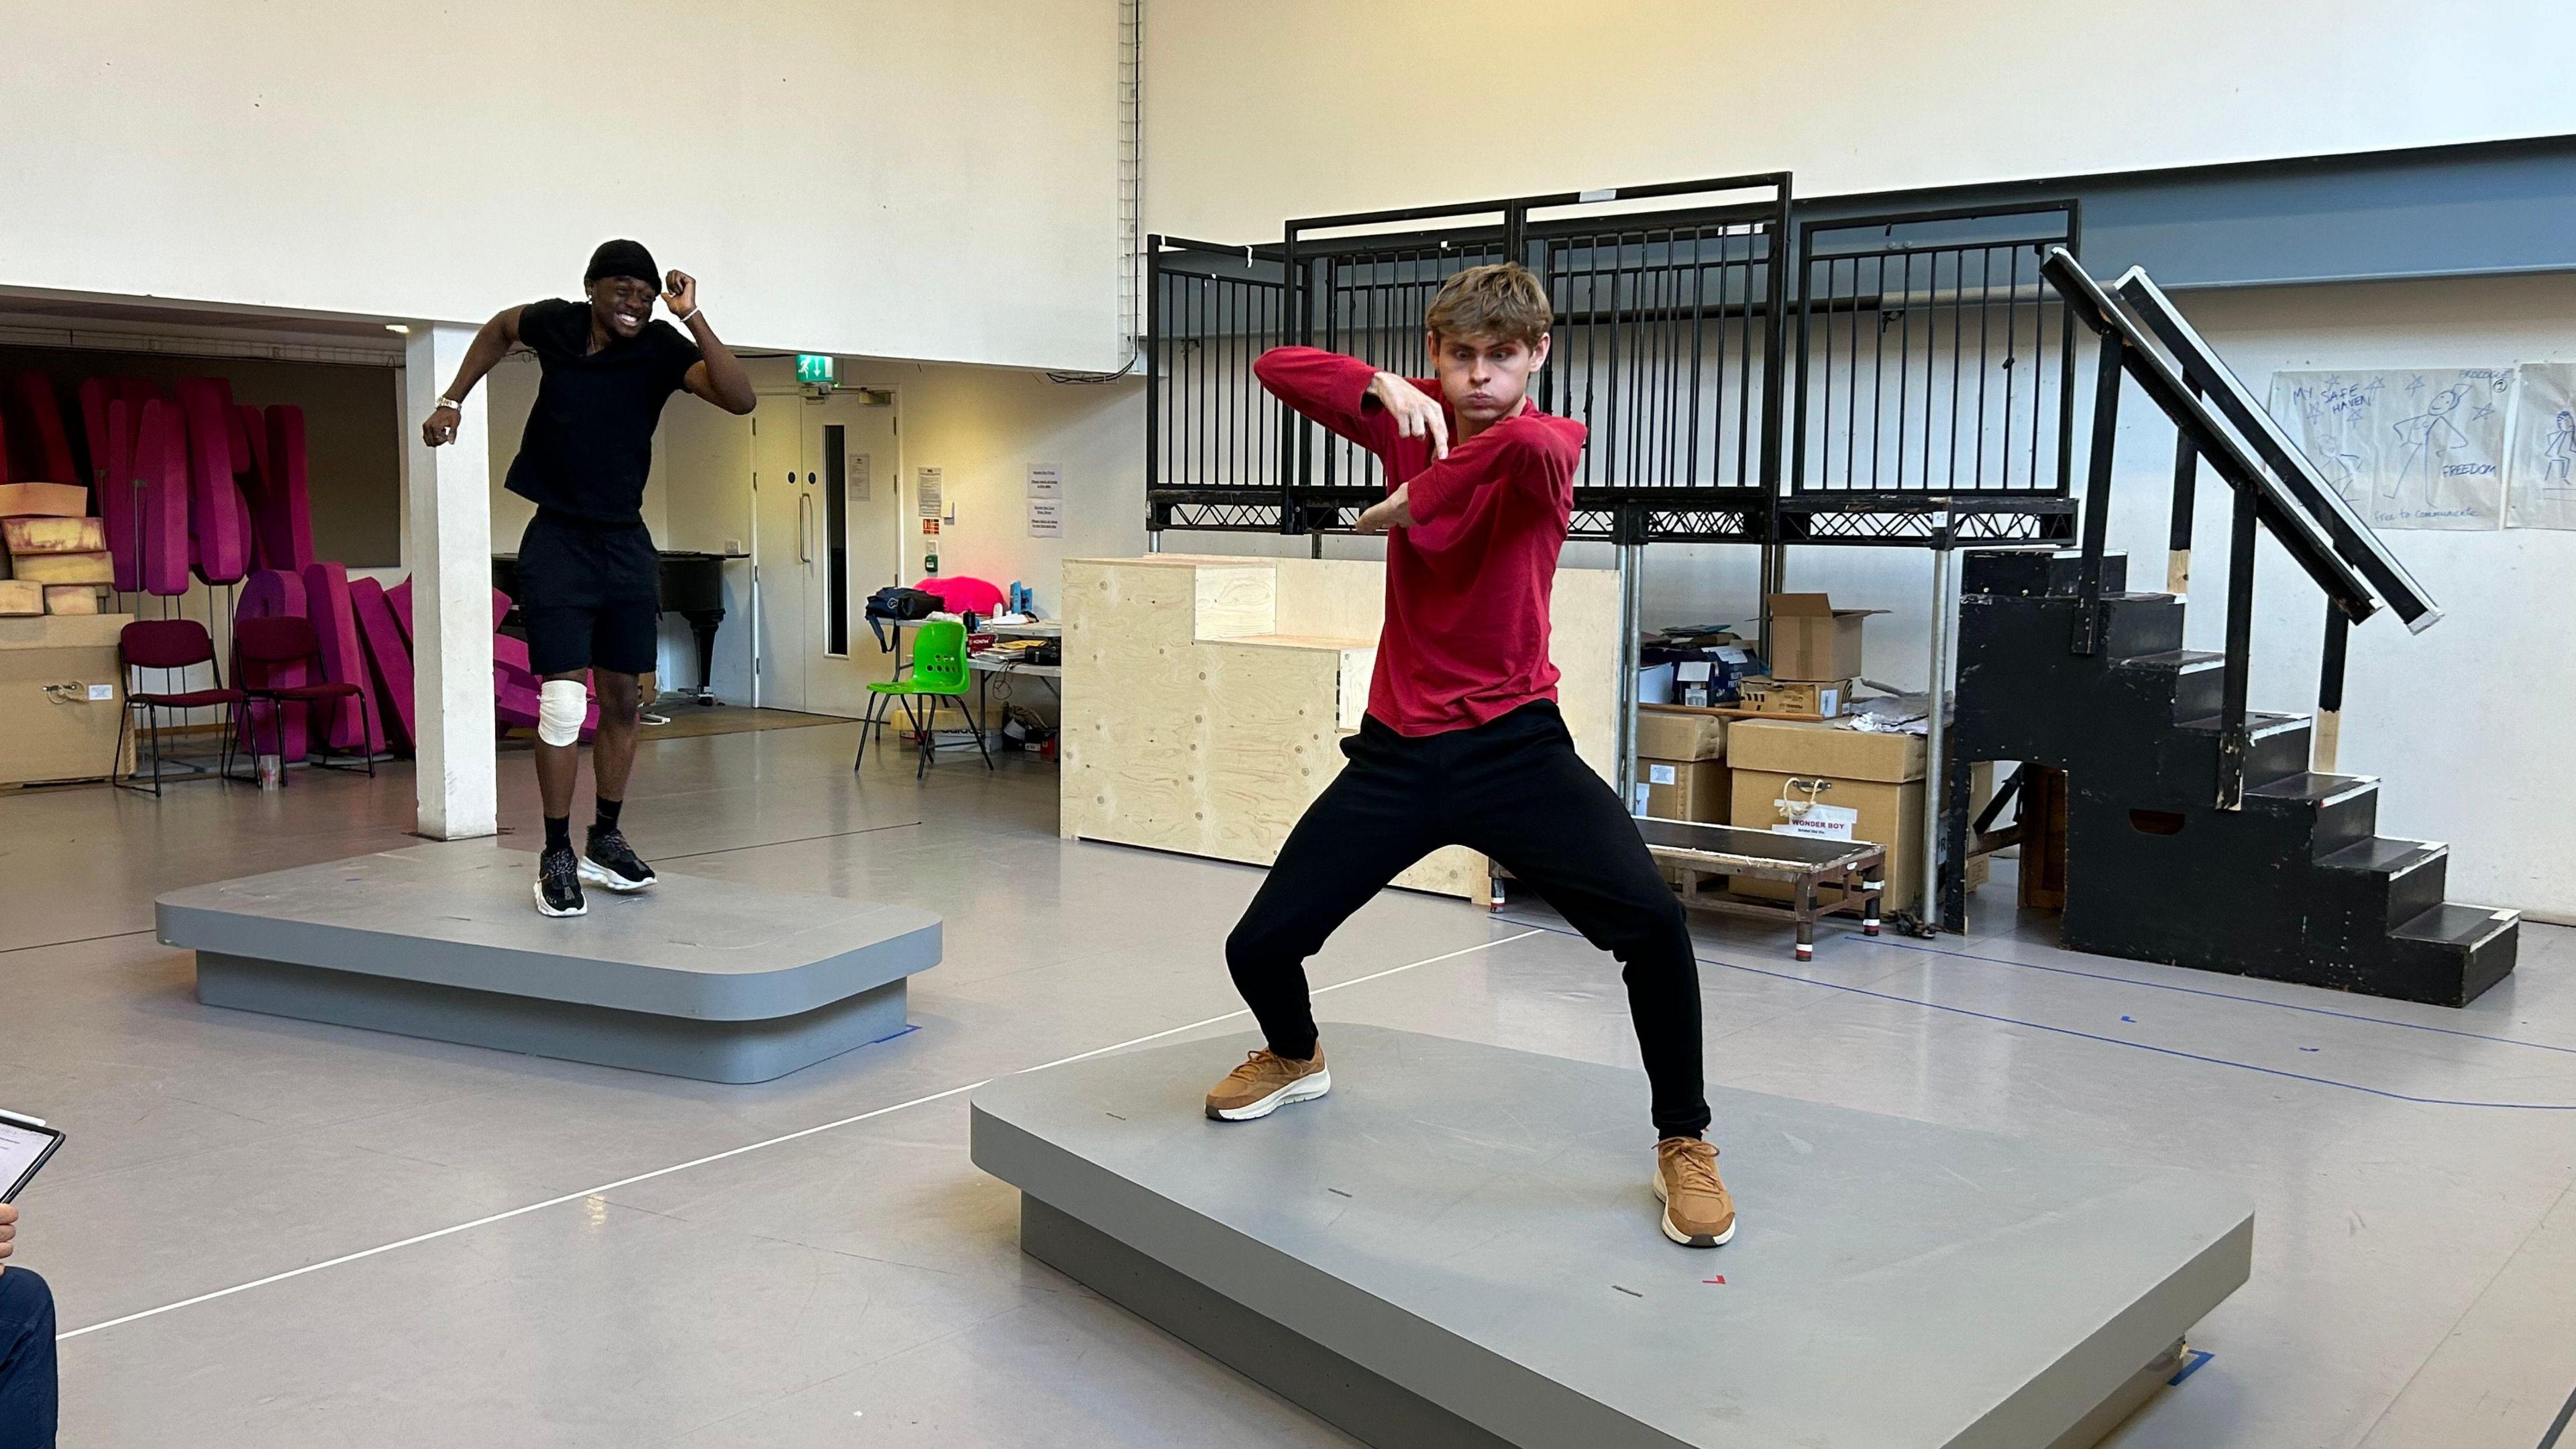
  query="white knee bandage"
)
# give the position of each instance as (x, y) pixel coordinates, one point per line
(561, 703)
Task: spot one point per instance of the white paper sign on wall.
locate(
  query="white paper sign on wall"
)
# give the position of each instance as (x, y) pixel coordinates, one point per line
(1046, 518)
(1046, 480)
(858, 476)
(926, 489)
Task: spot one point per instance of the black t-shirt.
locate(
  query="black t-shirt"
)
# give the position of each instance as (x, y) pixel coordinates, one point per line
(589, 442)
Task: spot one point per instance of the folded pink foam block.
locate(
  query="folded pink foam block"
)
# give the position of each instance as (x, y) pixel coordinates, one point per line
(354, 725)
(44, 446)
(512, 651)
(390, 658)
(161, 461)
(398, 599)
(272, 593)
(95, 394)
(220, 544)
(113, 487)
(284, 508)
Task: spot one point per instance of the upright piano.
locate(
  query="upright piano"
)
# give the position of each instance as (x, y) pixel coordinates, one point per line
(692, 587)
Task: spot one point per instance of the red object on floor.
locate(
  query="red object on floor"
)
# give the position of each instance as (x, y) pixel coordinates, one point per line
(390, 658)
(161, 461)
(284, 508)
(354, 724)
(270, 593)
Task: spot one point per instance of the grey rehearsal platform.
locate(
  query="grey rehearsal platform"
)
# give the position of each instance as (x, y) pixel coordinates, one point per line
(694, 978)
(1458, 1247)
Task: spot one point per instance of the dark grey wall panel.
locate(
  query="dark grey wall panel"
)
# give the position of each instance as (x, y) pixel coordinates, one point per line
(2495, 207)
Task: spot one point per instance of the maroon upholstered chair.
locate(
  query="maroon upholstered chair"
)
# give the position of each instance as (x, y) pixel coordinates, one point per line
(285, 639)
(172, 646)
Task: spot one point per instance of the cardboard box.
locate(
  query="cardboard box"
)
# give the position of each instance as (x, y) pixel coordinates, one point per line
(49, 500)
(1789, 696)
(1811, 640)
(20, 597)
(23, 536)
(1802, 748)
(1885, 812)
(62, 695)
(1665, 732)
(63, 568)
(72, 598)
(1682, 790)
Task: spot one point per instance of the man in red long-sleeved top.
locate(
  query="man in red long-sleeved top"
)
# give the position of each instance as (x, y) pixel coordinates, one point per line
(1463, 743)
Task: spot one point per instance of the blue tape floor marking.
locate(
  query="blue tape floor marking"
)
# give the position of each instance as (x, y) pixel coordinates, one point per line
(2091, 1036)
(2198, 1356)
(2204, 991)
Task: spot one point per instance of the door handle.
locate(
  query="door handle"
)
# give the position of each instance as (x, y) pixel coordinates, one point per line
(804, 529)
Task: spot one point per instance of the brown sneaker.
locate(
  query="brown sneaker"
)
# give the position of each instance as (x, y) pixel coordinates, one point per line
(1698, 1213)
(1265, 1083)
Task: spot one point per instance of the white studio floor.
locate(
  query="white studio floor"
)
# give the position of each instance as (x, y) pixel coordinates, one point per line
(266, 1232)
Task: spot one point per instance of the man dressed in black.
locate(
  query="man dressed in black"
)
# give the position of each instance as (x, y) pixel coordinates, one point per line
(589, 579)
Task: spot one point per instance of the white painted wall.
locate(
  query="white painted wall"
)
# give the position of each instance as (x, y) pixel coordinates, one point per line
(1255, 113)
(867, 176)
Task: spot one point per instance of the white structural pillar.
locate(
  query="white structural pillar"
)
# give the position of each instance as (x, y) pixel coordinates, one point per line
(450, 554)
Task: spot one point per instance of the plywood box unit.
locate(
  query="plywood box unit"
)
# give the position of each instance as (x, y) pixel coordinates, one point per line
(1206, 698)
(20, 597)
(62, 568)
(61, 698)
(52, 500)
(22, 536)
(71, 598)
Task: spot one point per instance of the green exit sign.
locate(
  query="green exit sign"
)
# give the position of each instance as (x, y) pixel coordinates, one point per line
(814, 367)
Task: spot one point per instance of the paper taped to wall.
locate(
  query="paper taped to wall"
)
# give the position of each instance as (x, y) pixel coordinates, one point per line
(2413, 448)
(2543, 483)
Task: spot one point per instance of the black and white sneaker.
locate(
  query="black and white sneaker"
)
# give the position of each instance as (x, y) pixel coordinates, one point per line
(559, 884)
(609, 862)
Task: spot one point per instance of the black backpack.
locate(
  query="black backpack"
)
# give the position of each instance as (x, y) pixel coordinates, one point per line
(901, 605)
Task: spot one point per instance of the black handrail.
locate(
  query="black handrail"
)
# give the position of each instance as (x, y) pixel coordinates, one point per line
(2282, 492)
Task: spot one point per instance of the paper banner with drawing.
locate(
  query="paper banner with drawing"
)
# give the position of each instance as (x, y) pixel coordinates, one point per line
(2415, 448)
(2543, 481)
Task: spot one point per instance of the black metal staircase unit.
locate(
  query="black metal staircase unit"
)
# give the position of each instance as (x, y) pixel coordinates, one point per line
(2199, 832)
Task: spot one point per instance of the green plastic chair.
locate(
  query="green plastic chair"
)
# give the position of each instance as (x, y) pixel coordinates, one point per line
(938, 673)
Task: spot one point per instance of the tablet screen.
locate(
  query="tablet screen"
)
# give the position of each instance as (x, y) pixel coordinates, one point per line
(21, 1148)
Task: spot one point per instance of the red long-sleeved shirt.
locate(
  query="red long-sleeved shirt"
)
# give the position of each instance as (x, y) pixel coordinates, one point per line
(1467, 585)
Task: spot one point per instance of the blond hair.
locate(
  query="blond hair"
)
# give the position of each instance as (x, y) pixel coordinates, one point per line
(1499, 300)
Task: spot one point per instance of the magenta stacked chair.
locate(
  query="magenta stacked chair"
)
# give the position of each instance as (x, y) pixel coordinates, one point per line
(288, 641)
(173, 646)
(270, 594)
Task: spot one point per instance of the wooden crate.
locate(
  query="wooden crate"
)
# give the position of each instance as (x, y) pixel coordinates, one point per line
(1206, 698)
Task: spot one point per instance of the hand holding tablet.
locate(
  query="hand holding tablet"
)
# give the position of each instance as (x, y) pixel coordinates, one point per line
(25, 1143)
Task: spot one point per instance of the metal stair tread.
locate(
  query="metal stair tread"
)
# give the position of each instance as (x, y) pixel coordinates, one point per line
(2382, 855)
(2308, 785)
(2257, 723)
(2175, 660)
(2453, 924)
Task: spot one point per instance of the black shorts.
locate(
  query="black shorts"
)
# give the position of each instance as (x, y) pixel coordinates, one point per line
(590, 594)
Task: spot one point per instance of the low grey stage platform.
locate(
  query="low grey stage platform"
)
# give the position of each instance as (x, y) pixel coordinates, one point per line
(1458, 1246)
(694, 978)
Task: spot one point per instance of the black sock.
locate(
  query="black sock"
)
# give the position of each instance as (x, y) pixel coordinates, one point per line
(607, 819)
(558, 832)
